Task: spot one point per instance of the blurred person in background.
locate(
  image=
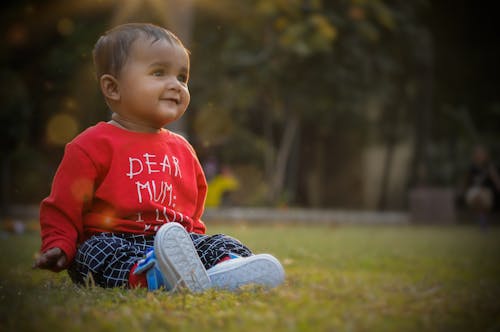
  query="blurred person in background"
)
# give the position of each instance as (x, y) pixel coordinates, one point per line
(481, 190)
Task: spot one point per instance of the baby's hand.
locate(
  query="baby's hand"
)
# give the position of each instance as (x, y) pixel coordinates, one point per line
(53, 259)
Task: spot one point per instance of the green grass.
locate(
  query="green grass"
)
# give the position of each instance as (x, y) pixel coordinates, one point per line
(343, 278)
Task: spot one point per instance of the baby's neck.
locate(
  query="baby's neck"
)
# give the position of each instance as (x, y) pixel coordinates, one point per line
(124, 123)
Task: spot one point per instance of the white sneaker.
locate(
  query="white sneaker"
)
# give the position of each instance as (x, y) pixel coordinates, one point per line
(261, 269)
(178, 260)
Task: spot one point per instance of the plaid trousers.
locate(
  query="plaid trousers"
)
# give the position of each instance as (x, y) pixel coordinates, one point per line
(109, 257)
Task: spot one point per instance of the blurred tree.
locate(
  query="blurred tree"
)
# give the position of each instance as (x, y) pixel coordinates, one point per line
(46, 44)
(290, 90)
(299, 73)
(467, 80)
(15, 113)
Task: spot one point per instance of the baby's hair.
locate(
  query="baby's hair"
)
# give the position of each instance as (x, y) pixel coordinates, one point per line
(112, 49)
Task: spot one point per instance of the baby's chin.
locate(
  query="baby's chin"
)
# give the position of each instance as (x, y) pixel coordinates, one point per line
(169, 117)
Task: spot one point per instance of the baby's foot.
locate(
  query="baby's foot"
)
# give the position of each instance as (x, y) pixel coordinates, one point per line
(262, 269)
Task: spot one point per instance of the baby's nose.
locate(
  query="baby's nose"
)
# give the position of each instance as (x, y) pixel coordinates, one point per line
(173, 83)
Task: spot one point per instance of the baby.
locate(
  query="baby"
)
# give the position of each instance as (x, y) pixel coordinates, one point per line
(127, 198)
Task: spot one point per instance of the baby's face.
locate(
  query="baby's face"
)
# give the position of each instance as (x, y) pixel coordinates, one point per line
(153, 83)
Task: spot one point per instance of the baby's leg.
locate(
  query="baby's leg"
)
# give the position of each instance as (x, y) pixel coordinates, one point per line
(108, 258)
(213, 249)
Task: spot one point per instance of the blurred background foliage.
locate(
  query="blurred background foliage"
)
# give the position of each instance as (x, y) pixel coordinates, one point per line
(346, 103)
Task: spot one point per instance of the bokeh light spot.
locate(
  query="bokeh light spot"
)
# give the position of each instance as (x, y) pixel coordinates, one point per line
(61, 128)
(17, 35)
(70, 104)
(82, 189)
(65, 26)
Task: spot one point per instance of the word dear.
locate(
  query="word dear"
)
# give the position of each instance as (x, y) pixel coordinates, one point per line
(150, 163)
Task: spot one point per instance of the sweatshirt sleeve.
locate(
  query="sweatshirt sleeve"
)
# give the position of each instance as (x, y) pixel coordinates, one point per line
(72, 191)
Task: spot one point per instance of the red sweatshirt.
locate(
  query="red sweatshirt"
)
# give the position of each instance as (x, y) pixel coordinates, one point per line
(114, 180)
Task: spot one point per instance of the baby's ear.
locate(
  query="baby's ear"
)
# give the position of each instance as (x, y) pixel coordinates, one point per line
(109, 87)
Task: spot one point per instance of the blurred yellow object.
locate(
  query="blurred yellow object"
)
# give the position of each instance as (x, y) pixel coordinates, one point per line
(218, 187)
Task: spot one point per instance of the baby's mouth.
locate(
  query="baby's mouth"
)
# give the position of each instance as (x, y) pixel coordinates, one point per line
(172, 100)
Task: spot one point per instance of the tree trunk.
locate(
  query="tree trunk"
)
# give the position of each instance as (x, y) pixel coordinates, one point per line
(284, 151)
(386, 173)
(5, 186)
(422, 110)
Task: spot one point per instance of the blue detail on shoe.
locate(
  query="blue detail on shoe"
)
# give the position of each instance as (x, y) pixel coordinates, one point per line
(233, 256)
(154, 277)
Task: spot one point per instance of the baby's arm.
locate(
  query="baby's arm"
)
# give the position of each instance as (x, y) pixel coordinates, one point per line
(53, 259)
(61, 212)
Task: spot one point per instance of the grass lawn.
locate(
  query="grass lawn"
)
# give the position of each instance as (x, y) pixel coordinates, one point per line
(345, 278)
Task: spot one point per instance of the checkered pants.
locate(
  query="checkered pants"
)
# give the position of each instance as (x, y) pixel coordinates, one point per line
(108, 257)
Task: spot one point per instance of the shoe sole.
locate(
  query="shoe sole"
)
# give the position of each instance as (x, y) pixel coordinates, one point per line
(178, 260)
(262, 269)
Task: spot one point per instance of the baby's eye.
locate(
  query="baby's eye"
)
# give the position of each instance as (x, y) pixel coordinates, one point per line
(182, 78)
(159, 72)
